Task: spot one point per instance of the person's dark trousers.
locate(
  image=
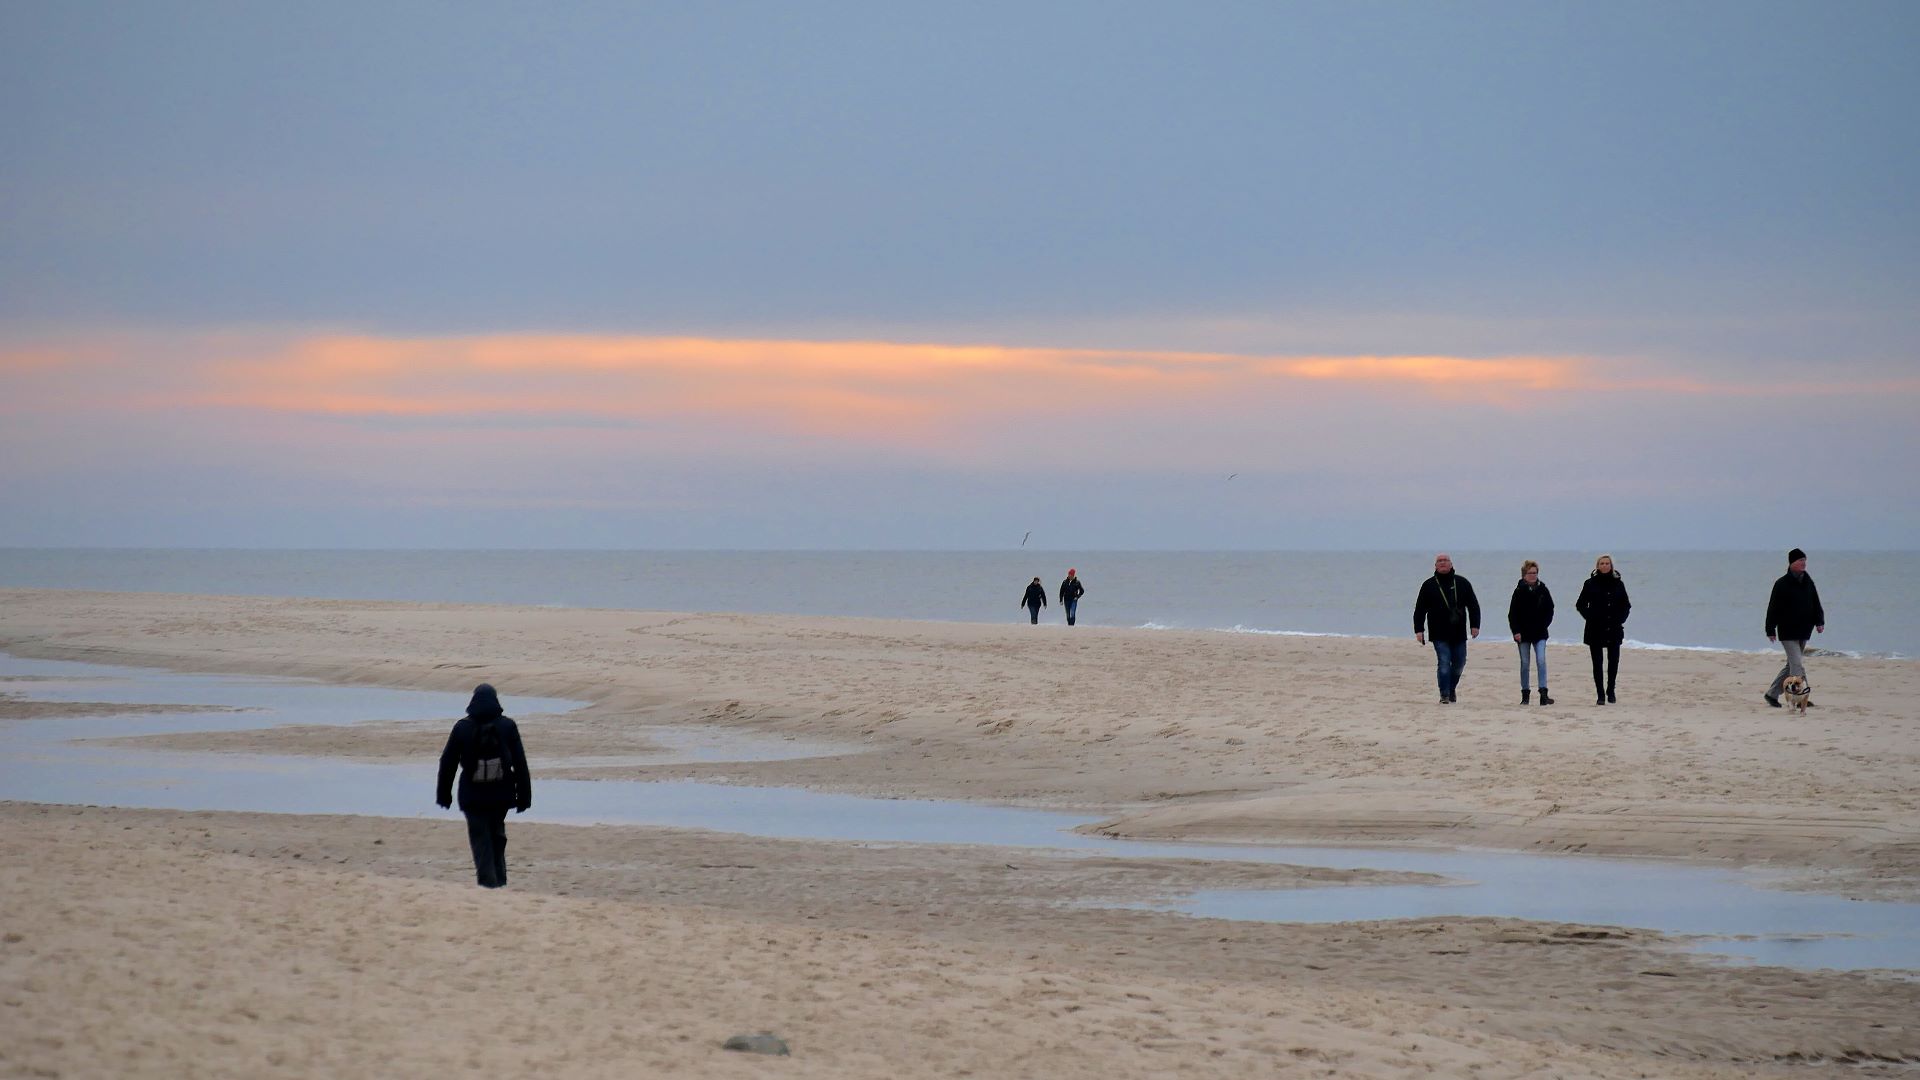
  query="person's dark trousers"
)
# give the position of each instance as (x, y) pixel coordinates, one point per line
(1072, 606)
(1033, 610)
(487, 833)
(1613, 667)
(1449, 658)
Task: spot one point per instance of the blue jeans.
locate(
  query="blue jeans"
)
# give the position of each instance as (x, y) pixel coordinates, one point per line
(1539, 651)
(1451, 657)
(1071, 606)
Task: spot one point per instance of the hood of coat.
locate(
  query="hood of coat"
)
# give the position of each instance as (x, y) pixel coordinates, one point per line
(485, 702)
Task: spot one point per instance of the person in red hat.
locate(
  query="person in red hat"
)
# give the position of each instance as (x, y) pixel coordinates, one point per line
(1070, 593)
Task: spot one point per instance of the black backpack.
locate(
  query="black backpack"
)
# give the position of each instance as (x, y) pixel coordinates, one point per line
(490, 754)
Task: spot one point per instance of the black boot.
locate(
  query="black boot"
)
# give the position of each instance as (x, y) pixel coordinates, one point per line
(1526, 695)
(1544, 699)
(1610, 695)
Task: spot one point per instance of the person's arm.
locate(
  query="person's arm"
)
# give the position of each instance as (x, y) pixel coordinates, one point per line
(1626, 604)
(1420, 615)
(1584, 604)
(522, 776)
(1513, 614)
(1473, 610)
(449, 761)
(1548, 621)
(1773, 612)
(1819, 613)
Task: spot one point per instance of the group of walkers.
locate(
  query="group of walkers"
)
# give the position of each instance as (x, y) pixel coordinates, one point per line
(1447, 610)
(1070, 593)
(484, 746)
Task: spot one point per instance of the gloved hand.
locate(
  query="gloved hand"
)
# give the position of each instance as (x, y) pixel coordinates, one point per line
(445, 804)
(523, 807)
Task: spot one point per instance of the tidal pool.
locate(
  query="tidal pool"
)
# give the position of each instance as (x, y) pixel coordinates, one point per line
(1727, 912)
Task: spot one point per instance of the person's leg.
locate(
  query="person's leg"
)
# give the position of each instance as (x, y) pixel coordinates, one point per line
(1796, 665)
(480, 839)
(1540, 663)
(1033, 614)
(1073, 607)
(1613, 669)
(1442, 666)
(498, 823)
(1599, 683)
(1526, 659)
(1459, 663)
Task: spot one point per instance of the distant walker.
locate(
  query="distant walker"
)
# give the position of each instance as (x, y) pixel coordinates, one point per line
(1070, 593)
(1034, 600)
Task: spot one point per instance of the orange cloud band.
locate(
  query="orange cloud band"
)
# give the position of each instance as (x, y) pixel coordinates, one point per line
(892, 390)
(815, 385)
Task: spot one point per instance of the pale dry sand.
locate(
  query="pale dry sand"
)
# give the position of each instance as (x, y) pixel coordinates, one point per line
(148, 943)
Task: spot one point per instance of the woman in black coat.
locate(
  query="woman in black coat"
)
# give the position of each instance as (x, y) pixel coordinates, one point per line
(1034, 600)
(1603, 603)
(1529, 614)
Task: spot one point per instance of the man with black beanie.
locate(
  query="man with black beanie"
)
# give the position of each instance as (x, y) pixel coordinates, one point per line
(1794, 614)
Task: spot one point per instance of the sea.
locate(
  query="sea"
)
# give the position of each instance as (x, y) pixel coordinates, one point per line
(1712, 600)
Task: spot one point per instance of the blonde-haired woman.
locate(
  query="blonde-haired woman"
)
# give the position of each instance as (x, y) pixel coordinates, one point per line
(1529, 614)
(1603, 603)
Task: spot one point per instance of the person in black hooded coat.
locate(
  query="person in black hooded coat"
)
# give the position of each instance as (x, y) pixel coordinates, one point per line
(1603, 603)
(485, 747)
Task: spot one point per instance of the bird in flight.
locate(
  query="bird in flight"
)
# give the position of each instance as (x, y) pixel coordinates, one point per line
(1232, 475)
(1023, 540)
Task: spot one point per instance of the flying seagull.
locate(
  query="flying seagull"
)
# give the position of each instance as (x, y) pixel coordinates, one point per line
(1023, 540)
(1232, 475)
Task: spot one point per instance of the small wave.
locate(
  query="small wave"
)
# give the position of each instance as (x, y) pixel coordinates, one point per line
(1656, 646)
(1630, 643)
(1238, 629)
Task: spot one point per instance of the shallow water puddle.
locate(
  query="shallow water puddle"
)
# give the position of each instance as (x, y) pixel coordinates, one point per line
(40, 762)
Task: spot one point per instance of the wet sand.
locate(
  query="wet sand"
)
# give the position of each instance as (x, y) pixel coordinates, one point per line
(636, 951)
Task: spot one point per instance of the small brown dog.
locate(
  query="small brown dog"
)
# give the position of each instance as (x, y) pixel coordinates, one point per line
(1796, 691)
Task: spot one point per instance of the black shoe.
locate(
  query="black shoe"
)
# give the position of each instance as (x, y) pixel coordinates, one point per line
(1544, 699)
(1527, 695)
(1599, 699)
(1445, 700)
(1453, 699)
(1771, 700)
(1610, 700)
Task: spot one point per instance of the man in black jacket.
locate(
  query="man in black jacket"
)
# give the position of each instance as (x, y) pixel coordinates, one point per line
(1794, 614)
(485, 746)
(1447, 609)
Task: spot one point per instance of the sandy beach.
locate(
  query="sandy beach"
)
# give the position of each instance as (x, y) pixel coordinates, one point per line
(164, 943)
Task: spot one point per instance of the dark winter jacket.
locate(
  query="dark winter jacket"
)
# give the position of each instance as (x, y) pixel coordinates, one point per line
(1446, 608)
(1530, 611)
(1071, 589)
(1603, 603)
(1794, 608)
(462, 752)
(1036, 596)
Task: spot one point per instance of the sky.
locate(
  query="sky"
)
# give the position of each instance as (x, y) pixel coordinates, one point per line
(874, 275)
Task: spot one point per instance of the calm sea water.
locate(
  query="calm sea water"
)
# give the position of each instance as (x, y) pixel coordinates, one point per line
(1686, 599)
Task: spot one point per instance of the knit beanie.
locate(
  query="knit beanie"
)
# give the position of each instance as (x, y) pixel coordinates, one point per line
(1795, 556)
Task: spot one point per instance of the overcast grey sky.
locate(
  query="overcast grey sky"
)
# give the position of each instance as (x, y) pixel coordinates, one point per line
(1498, 275)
